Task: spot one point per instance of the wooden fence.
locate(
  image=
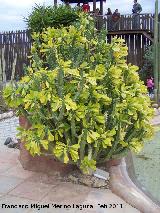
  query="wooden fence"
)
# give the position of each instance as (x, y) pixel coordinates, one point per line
(18, 44)
(14, 45)
(137, 44)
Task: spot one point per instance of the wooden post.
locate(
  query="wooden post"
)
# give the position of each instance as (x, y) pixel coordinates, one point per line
(94, 6)
(156, 58)
(55, 2)
(101, 7)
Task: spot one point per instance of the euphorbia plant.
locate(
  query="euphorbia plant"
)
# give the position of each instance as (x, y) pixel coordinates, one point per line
(85, 103)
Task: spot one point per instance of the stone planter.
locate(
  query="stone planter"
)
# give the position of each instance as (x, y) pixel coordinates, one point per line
(46, 164)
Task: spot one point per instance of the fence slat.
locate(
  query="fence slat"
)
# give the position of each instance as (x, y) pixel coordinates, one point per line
(17, 44)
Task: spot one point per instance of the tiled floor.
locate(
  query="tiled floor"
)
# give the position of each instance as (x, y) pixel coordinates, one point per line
(8, 183)
(28, 192)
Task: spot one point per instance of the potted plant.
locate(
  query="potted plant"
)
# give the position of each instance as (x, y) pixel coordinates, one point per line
(85, 104)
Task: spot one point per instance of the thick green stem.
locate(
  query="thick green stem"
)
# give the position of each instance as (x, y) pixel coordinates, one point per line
(61, 93)
(111, 113)
(83, 144)
(90, 151)
(96, 151)
(81, 86)
(67, 138)
(113, 148)
(73, 129)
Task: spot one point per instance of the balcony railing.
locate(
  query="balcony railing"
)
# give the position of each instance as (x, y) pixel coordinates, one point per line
(126, 22)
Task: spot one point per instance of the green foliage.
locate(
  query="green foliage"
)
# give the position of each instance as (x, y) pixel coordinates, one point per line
(51, 16)
(85, 104)
(147, 69)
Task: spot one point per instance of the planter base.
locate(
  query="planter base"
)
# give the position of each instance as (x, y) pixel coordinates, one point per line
(45, 164)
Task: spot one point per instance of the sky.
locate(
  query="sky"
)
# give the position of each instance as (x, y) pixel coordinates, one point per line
(12, 12)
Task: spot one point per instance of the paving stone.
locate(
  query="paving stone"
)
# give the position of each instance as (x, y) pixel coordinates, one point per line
(8, 183)
(102, 196)
(31, 187)
(10, 158)
(31, 190)
(5, 167)
(18, 171)
(113, 204)
(5, 149)
(44, 178)
(68, 193)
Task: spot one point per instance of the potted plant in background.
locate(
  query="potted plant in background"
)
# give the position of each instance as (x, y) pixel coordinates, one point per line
(84, 103)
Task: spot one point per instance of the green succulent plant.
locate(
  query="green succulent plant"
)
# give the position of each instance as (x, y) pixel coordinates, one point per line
(85, 103)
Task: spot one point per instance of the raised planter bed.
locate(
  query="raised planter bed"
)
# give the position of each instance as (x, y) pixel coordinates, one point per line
(46, 163)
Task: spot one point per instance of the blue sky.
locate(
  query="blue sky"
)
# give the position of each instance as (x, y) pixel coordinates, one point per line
(13, 11)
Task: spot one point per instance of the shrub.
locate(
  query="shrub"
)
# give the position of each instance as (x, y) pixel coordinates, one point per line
(51, 16)
(87, 105)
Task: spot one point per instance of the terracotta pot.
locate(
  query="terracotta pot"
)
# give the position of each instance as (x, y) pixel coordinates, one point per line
(46, 164)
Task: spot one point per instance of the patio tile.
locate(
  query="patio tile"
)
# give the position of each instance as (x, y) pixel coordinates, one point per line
(31, 190)
(9, 157)
(20, 204)
(102, 195)
(67, 193)
(4, 167)
(44, 178)
(18, 171)
(8, 183)
(99, 197)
